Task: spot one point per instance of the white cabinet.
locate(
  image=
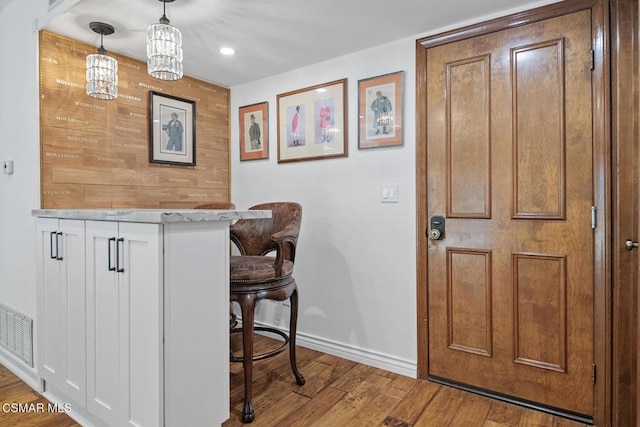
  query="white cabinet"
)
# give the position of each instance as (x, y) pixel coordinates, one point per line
(133, 316)
(124, 322)
(61, 306)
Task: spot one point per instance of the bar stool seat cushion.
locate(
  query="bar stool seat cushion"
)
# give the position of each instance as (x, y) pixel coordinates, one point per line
(256, 269)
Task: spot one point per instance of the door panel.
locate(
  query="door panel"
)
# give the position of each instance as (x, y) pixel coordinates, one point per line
(538, 120)
(509, 162)
(49, 322)
(61, 355)
(469, 169)
(103, 348)
(141, 325)
(72, 300)
(469, 295)
(539, 288)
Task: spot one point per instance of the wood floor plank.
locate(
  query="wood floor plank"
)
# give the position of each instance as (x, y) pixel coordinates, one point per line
(418, 397)
(441, 409)
(353, 377)
(393, 422)
(563, 422)
(490, 423)
(339, 367)
(402, 382)
(7, 378)
(505, 414)
(314, 409)
(472, 412)
(17, 393)
(383, 385)
(329, 359)
(348, 407)
(531, 418)
(375, 412)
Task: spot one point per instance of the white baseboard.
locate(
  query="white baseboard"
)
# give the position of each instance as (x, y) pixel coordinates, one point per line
(376, 359)
(22, 371)
(372, 358)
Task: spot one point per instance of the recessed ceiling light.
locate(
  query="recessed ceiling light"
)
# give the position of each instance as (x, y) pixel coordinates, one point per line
(227, 51)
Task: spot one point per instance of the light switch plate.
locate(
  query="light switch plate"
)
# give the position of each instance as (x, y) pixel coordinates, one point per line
(389, 193)
(7, 167)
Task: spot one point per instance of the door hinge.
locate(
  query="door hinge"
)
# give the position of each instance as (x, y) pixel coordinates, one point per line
(594, 217)
(593, 373)
(593, 59)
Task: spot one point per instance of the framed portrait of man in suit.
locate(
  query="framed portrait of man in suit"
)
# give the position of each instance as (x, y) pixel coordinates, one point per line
(172, 130)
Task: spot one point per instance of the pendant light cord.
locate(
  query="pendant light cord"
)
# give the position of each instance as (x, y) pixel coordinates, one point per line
(101, 49)
(164, 19)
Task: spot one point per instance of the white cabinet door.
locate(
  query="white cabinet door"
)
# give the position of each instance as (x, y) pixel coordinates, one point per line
(61, 306)
(49, 315)
(141, 352)
(103, 295)
(124, 321)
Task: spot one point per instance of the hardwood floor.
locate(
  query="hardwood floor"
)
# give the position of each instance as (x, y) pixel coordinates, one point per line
(340, 392)
(337, 392)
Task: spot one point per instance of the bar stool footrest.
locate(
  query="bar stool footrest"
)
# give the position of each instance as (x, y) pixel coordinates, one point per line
(265, 355)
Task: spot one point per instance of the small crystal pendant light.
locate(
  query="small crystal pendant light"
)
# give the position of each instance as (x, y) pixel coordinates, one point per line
(164, 49)
(102, 70)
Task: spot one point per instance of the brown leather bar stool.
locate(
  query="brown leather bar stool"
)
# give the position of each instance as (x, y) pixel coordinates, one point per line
(254, 276)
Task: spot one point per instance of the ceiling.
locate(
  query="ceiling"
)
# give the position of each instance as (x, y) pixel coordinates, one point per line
(270, 36)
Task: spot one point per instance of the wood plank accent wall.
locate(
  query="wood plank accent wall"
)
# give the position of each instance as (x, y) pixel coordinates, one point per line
(95, 153)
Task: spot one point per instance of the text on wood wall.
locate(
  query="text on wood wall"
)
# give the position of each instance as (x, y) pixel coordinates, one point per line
(95, 153)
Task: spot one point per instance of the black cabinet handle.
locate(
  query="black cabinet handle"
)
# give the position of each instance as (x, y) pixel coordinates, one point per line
(58, 242)
(120, 240)
(113, 239)
(53, 235)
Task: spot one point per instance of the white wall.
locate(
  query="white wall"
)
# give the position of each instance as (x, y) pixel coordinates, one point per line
(356, 262)
(19, 193)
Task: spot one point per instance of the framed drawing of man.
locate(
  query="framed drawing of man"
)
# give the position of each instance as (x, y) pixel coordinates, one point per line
(172, 130)
(380, 101)
(254, 131)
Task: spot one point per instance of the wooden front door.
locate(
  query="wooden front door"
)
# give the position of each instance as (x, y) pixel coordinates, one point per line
(509, 167)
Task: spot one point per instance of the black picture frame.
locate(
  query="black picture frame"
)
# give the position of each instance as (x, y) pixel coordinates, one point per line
(172, 130)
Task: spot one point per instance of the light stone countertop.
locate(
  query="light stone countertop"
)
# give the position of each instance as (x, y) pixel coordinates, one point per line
(160, 216)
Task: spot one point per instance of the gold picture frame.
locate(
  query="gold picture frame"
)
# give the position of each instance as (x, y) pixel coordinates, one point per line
(254, 131)
(380, 112)
(312, 122)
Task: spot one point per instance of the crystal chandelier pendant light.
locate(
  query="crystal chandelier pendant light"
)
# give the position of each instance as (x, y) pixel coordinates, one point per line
(102, 70)
(164, 49)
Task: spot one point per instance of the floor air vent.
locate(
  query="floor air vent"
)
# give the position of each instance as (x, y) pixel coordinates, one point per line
(16, 332)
